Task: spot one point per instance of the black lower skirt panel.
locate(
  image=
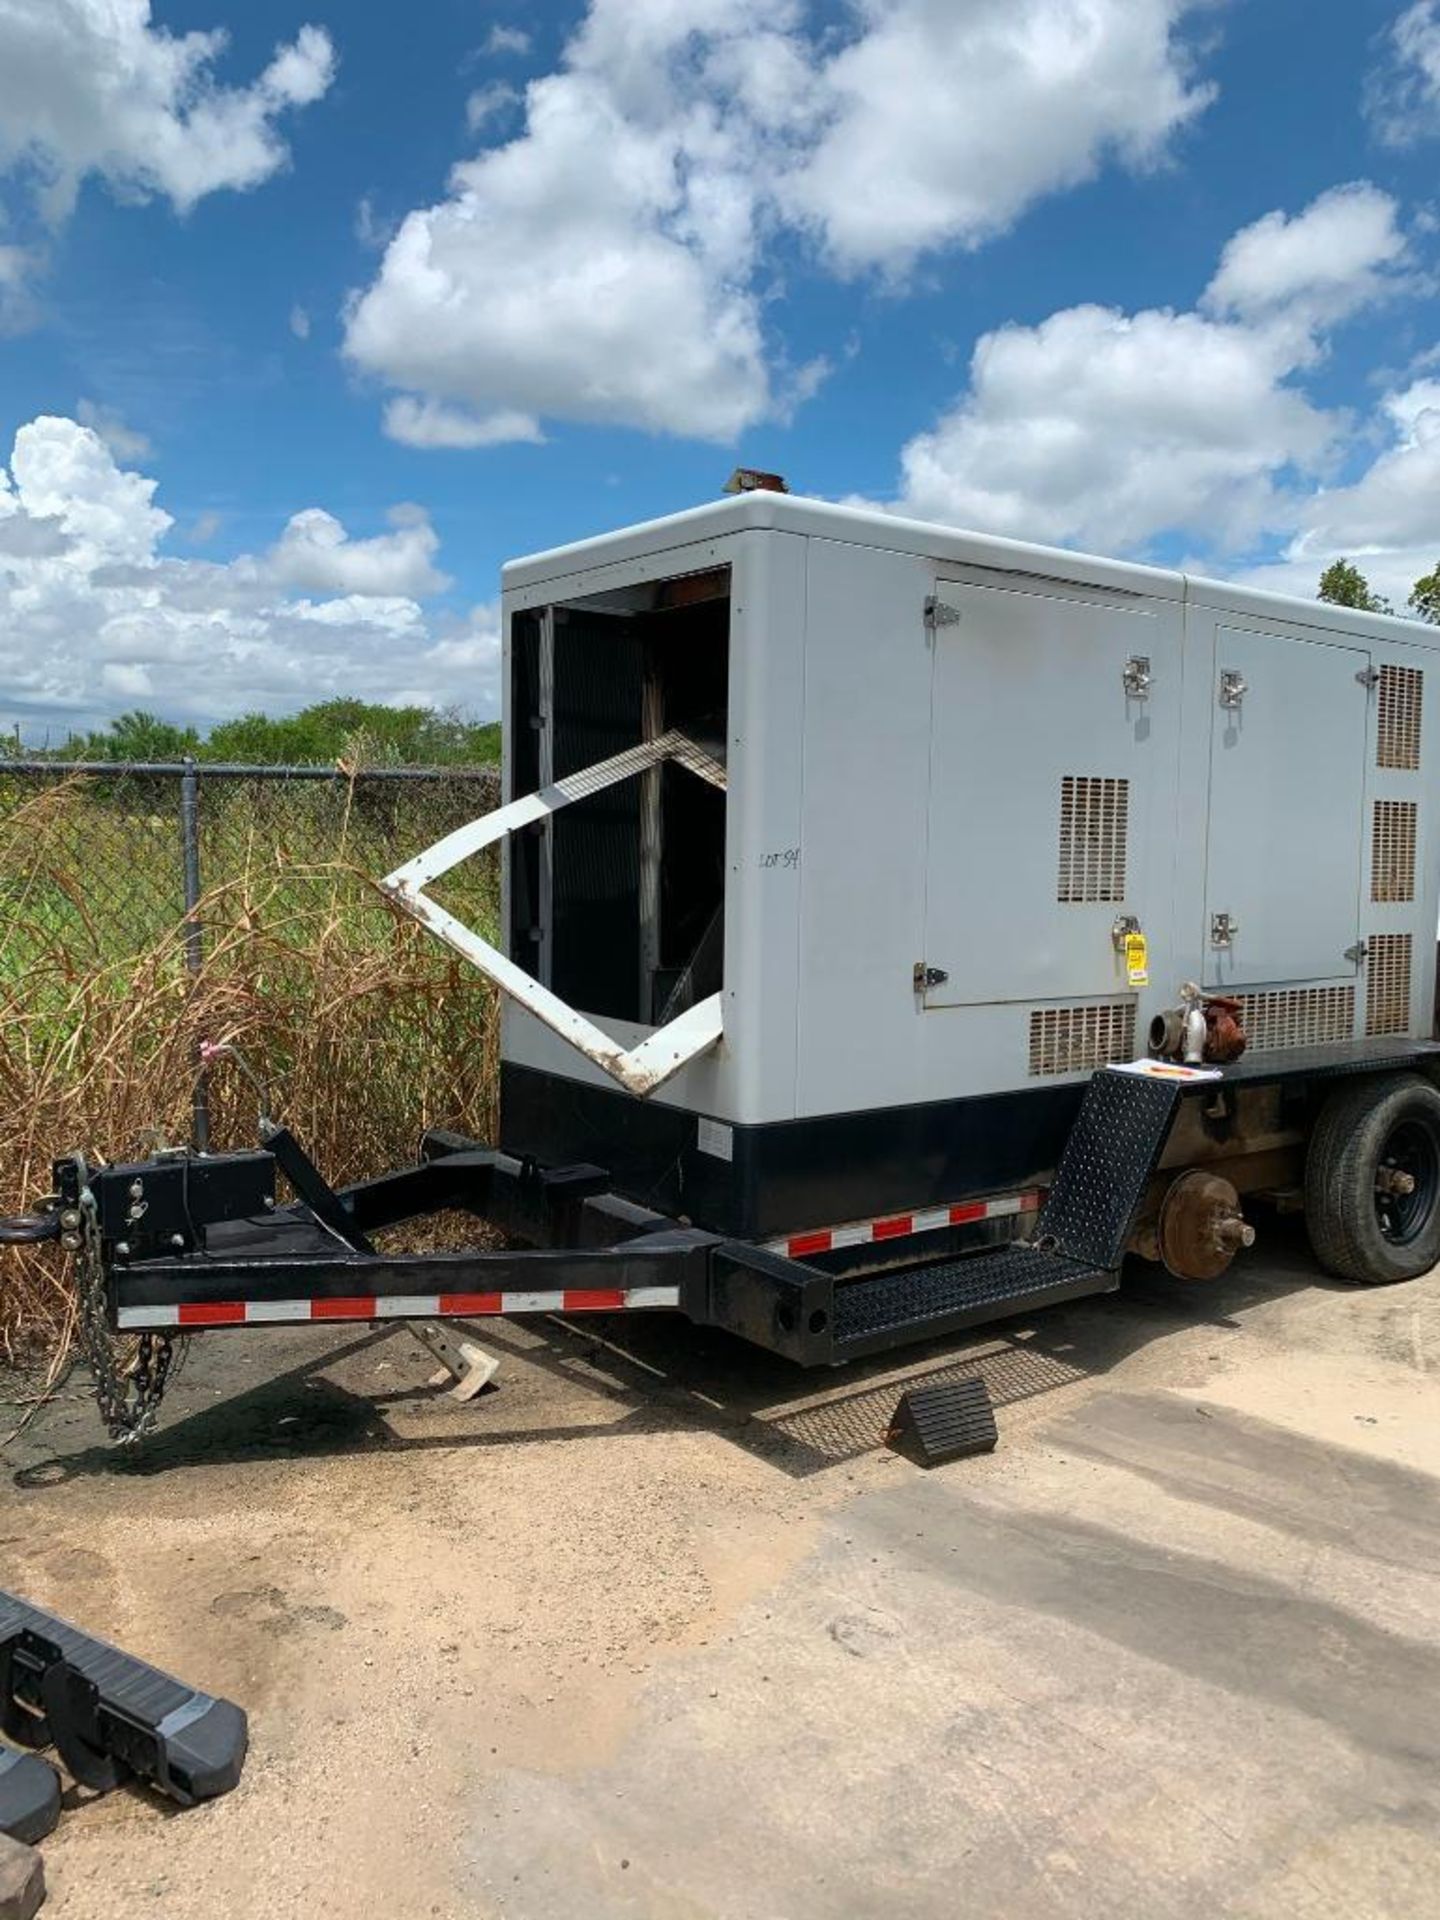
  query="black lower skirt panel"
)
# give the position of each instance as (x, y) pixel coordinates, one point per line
(795, 1174)
(792, 1174)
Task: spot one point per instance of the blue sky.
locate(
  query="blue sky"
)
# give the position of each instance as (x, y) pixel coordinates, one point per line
(284, 388)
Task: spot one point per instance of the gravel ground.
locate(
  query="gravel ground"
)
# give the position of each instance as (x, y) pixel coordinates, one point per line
(656, 1629)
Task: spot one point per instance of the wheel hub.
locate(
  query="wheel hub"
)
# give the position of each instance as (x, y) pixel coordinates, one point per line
(1201, 1228)
(1406, 1182)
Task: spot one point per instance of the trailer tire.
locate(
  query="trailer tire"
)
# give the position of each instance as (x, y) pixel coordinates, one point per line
(1369, 1132)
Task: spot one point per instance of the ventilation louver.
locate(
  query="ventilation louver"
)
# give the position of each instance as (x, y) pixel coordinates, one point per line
(1387, 990)
(1392, 851)
(1079, 1039)
(1297, 1017)
(1094, 827)
(1401, 692)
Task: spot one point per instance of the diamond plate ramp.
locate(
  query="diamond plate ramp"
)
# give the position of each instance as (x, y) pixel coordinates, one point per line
(1114, 1147)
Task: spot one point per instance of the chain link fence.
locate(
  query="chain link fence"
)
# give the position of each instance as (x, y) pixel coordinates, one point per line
(100, 871)
(145, 908)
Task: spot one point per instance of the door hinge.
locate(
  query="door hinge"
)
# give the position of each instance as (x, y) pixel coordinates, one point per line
(939, 613)
(1368, 677)
(1357, 955)
(927, 977)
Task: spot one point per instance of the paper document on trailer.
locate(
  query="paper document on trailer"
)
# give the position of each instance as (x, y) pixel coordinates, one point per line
(1164, 1070)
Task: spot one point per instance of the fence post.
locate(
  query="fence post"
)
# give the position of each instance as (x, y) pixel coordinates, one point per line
(194, 939)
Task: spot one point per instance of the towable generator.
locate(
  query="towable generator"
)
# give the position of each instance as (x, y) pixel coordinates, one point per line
(899, 927)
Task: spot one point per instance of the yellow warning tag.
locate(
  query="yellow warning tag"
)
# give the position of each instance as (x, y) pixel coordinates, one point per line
(1137, 960)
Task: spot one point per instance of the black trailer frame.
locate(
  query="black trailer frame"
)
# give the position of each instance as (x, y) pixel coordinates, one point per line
(193, 1242)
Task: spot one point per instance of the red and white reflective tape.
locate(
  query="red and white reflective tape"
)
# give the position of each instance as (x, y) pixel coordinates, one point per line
(898, 1226)
(408, 1306)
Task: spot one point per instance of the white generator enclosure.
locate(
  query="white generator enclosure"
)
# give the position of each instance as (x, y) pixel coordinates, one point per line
(974, 811)
(898, 930)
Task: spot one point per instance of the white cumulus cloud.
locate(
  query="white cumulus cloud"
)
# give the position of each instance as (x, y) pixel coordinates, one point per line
(93, 86)
(1108, 429)
(317, 554)
(1386, 519)
(63, 471)
(431, 423)
(612, 263)
(1105, 428)
(595, 268)
(942, 123)
(1316, 268)
(95, 614)
(1402, 98)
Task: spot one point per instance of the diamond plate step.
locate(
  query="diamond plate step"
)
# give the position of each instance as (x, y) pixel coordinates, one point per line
(871, 1315)
(1079, 1240)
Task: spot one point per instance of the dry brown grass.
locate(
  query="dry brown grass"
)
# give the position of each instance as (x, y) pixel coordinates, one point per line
(364, 1028)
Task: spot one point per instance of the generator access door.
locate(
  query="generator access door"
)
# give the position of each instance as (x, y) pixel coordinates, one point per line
(1289, 724)
(1052, 743)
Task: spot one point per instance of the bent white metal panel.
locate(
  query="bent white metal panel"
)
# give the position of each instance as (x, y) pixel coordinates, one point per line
(641, 1069)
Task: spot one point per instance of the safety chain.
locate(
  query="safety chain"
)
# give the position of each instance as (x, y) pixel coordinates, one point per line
(129, 1397)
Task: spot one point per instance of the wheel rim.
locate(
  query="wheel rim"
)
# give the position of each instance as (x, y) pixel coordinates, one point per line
(1407, 1180)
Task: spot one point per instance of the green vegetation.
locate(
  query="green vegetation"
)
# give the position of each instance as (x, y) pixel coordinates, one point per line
(355, 732)
(1425, 599)
(1343, 585)
(365, 1028)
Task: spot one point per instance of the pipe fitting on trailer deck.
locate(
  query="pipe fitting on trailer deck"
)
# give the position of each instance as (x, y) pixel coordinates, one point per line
(1179, 1033)
(1202, 1028)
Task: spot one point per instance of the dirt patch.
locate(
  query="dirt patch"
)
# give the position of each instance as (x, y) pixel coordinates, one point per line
(453, 1627)
(405, 1594)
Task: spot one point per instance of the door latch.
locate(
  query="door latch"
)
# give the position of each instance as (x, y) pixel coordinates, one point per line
(927, 977)
(1223, 930)
(1233, 687)
(1137, 677)
(1133, 948)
